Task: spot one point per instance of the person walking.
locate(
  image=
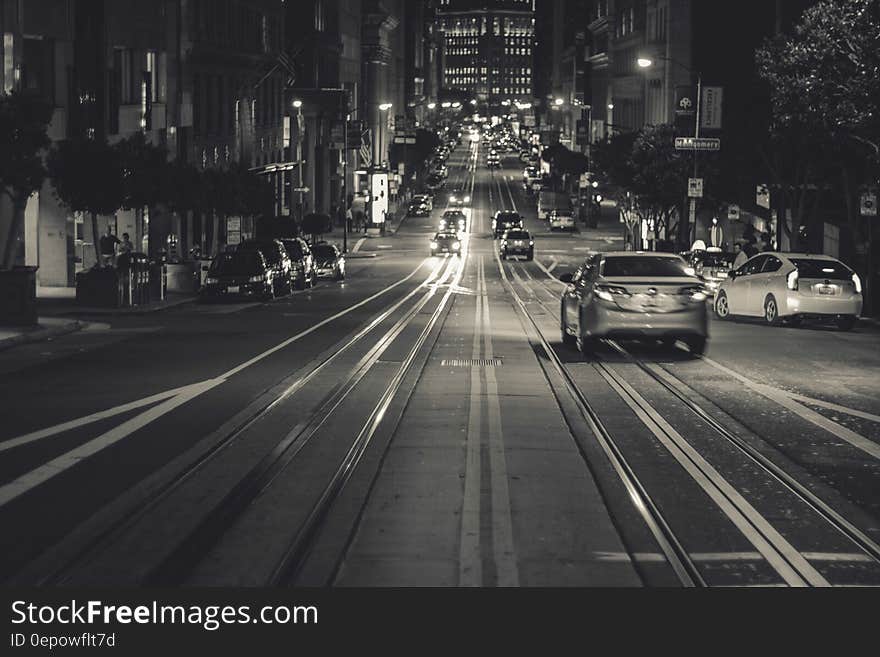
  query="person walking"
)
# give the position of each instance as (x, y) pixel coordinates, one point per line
(107, 245)
(125, 246)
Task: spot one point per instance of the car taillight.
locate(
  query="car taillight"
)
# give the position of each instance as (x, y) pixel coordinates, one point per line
(792, 280)
(211, 280)
(695, 292)
(857, 282)
(609, 292)
(259, 278)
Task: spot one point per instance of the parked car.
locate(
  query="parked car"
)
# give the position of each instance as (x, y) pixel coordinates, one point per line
(634, 295)
(329, 261)
(453, 220)
(446, 241)
(561, 219)
(435, 182)
(303, 262)
(504, 220)
(278, 260)
(239, 275)
(711, 265)
(791, 287)
(517, 242)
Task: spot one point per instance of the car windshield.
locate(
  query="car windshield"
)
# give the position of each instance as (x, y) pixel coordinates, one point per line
(324, 252)
(294, 250)
(815, 268)
(449, 214)
(715, 260)
(237, 264)
(517, 235)
(643, 266)
(268, 249)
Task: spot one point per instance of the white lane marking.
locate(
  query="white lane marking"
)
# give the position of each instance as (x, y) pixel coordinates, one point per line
(146, 401)
(548, 273)
(56, 466)
(89, 419)
(835, 407)
(784, 399)
(502, 523)
(358, 245)
(553, 264)
(778, 552)
(470, 564)
(853, 557)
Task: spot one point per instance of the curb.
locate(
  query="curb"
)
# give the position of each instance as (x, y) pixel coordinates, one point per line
(126, 312)
(40, 335)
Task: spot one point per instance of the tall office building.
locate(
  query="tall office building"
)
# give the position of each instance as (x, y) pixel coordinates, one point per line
(487, 48)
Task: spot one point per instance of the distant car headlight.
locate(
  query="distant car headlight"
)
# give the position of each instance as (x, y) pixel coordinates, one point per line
(433, 245)
(453, 199)
(467, 199)
(211, 280)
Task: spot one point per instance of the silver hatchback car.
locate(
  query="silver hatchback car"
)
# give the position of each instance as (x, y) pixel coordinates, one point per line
(790, 287)
(634, 295)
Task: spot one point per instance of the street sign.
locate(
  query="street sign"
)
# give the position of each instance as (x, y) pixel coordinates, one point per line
(301, 190)
(733, 212)
(697, 144)
(762, 197)
(695, 188)
(710, 114)
(869, 205)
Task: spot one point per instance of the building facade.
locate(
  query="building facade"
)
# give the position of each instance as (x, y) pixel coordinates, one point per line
(487, 49)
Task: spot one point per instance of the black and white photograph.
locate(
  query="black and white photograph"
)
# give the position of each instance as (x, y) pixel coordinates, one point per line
(301, 296)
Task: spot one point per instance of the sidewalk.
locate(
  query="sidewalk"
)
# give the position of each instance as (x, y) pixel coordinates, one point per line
(48, 327)
(61, 302)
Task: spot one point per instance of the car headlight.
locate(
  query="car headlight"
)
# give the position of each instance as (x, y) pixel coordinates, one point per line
(467, 199)
(857, 282)
(531, 242)
(456, 246)
(453, 199)
(211, 280)
(259, 278)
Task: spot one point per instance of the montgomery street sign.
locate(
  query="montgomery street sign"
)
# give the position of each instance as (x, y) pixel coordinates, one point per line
(697, 144)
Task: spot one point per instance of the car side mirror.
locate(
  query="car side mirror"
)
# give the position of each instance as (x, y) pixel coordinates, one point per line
(567, 278)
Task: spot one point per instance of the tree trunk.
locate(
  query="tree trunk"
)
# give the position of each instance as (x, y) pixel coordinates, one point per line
(96, 238)
(18, 210)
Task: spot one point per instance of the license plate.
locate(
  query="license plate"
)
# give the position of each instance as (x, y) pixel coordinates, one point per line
(826, 290)
(232, 289)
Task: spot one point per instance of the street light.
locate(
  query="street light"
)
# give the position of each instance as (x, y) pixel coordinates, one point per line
(299, 156)
(647, 62)
(432, 106)
(384, 107)
(559, 101)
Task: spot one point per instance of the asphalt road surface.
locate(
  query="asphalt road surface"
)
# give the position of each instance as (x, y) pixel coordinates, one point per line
(421, 424)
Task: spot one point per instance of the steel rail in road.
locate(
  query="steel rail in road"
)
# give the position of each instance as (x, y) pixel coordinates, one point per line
(189, 552)
(676, 555)
(58, 574)
(786, 558)
(822, 508)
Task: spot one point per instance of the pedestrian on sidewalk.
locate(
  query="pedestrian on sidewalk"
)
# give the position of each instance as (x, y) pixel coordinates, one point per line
(125, 246)
(108, 245)
(348, 219)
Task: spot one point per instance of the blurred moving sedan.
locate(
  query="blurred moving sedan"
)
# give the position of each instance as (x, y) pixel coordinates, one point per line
(517, 242)
(427, 199)
(329, 261)
(633, 295)
(458, 198)
(446, 242)
(417, 208)
(238, 275)
(792, 287)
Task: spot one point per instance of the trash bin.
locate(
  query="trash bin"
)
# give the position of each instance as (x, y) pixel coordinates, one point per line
(98, 287)
(18, 296)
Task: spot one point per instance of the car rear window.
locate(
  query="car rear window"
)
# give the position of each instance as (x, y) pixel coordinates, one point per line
(715, 260)
(643, 266)
(237, 264)
(517, 235)
(445, 236)
(268, 249)
(830, 269)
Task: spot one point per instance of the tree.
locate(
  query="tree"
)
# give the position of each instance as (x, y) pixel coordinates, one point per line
(825, 104)
(88, 177)
(144, 183)
(316, 224)
(24, 122)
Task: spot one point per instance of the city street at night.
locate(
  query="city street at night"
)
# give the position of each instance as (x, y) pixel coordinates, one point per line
(421, 424)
